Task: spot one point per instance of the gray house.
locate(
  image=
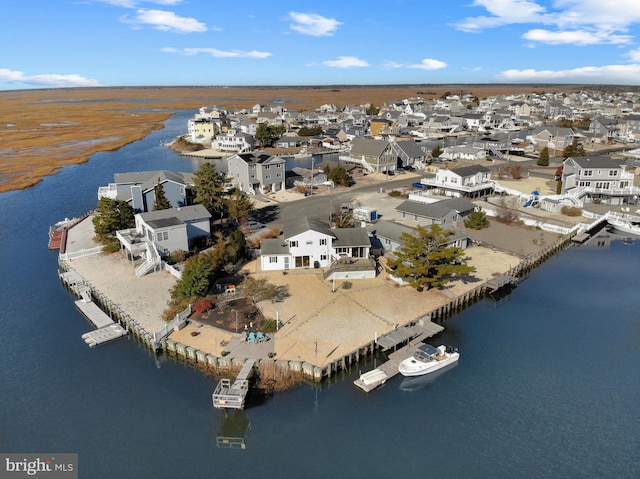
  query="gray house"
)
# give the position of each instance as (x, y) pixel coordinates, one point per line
(377, 156)
(599, 178)
(138, 188)
(256, 173)
(445, 212)
(412, 153)
(388, 236)
(176, 228)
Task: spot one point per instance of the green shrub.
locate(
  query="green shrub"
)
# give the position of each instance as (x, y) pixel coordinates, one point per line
(269, 326)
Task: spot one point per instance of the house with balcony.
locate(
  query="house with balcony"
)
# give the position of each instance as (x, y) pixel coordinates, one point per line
(256, 173)
(412, 153)
(553, 137)
(377, 156)
(311, 243)
(138, 189)
(599, 179)
(233, 140)
(472, 181)
(161, 232)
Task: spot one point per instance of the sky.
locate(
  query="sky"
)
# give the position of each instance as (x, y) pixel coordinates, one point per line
(83, 43)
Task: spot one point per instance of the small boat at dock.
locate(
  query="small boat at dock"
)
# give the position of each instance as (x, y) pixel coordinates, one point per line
(428, 359)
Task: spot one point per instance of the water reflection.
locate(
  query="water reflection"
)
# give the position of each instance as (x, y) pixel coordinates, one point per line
(413, 384)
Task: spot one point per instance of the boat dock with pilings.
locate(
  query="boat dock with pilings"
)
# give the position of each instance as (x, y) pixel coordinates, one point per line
(228, 395)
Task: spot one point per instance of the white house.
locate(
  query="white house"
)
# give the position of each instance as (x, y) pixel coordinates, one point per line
(311, 243)
(466, 181)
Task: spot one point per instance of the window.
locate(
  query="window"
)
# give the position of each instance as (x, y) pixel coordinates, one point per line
(267, 177)
(162, 236)
(415, 218)
(323, 242)
(613, 173)
(323, 257)
(293, 244)
(273, 259)
(587, 173)
(278, 175)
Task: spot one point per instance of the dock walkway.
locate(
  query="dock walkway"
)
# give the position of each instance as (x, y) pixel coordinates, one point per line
(232, 396)
(108, 330)
(414, 335)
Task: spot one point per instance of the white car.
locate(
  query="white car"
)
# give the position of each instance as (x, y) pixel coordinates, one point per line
(254, 225)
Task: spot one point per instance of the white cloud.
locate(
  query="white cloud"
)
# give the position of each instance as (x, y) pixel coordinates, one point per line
(580, 22)
(166, 21)
(429, 64)
(214, 52)
(46, 80)
(618, 74)
(392, 65)
(346, 62)
(313, 24)
(575, 37)
(634, 55)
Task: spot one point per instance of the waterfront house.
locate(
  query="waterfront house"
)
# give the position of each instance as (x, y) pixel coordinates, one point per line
(599, 179)
(444, 212)
(377, 156)
(604, 128)
(256, 173)
(311, 243)
(233, 140)
(411, 153)
(388, 235)
(472, 181)
(138, 188)
(463, 152)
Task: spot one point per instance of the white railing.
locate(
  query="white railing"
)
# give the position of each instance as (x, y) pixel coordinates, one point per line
(177, 273)
(153, 260)
(179, 319)
(81, 253)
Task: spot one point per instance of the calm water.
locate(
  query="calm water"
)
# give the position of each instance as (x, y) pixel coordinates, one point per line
(547, 385)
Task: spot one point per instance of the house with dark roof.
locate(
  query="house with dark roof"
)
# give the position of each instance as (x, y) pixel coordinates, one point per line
(256, 172)
(553, 137)
(444, 212)
(472, 181)
(138, 189)
(311, 243)
(412, 153)
(599, 179)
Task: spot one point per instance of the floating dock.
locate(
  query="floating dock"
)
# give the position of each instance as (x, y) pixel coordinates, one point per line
(414, 335)
(108, 330)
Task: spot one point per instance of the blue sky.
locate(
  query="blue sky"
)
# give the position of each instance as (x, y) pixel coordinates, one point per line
(59, 43)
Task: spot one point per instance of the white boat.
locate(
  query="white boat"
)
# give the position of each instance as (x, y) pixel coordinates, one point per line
(428, 359)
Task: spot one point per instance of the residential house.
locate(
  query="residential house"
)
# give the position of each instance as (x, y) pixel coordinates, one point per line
(288, 142)
(308, 177)
(411, 153)
(463, 152)
(256, 173)
(233, 140)
(605, 128)
(200, 130)
(138, 189)
(387, 235)
(444, 212)
(466, 181)
(630, 127)
(380, 126)
(553, 137)
(599, 179)
(311, 243)
(377, 156)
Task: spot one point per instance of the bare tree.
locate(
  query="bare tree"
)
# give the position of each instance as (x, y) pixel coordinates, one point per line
(507, 209)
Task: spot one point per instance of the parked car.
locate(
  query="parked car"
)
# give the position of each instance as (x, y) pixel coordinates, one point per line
(254, 226)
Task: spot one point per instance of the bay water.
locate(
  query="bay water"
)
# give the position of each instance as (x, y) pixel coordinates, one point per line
(548, 384)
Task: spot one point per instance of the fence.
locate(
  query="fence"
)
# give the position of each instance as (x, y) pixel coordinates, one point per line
(81, 253)
(176, 322)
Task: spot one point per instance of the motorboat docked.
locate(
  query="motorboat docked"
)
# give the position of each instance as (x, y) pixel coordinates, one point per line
(427, 359)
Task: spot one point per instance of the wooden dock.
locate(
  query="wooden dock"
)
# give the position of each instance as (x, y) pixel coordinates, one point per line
(229, 395)
(414, 335)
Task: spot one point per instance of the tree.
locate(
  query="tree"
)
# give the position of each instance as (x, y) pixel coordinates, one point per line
(161, 202)
(264, 135)
(310, 131)
(239, 206)
(209, 186)
(113, 215)
(574, 149)
(477, 220)
(507, 209)
(196, 277)
(516, 172)
(236, 246)
(372, 110)
(425, 260)
(543, 159)
(338, 175)
(436, 152)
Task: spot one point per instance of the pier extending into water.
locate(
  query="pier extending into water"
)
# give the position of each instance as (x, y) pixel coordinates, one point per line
(228, 395)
